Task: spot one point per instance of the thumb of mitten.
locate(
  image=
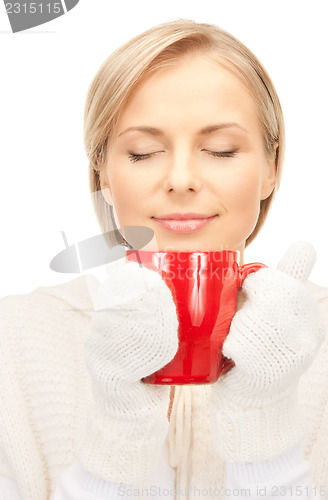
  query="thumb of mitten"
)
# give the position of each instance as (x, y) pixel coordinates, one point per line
(298, 261)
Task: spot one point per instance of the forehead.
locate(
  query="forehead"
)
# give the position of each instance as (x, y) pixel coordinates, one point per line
(196, 90)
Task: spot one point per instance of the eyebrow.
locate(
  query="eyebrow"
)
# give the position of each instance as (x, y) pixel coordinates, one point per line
(203, 131)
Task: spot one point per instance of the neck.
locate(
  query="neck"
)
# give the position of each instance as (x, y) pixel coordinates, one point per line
(241, 249)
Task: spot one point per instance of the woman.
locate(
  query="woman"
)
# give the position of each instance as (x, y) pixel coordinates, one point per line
(183, 119)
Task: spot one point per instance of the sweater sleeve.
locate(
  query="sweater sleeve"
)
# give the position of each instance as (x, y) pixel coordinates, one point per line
(44, 387)
(287, 476)
(79, 484)
(17, 437)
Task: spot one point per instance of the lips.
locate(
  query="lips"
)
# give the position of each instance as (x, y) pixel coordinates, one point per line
(184, 223)
(186, 216)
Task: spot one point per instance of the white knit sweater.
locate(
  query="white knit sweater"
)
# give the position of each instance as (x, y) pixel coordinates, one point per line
(45, 391)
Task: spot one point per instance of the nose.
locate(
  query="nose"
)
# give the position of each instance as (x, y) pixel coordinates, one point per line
(182, 175)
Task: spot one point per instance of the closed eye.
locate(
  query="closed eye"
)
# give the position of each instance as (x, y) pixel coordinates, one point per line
(222, 154)
(134, 157)
(138, 157)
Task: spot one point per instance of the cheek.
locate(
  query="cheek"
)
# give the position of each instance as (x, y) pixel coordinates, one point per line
(243, 190)
(242, 196)
(242, 207)
(127, 194)
(247, 193)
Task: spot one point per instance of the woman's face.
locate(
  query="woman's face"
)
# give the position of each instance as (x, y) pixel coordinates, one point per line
(189, 142)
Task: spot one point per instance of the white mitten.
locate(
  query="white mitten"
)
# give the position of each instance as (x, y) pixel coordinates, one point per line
(132, 334)
(273, 339)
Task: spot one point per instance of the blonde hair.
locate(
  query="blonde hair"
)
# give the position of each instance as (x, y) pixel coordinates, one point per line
(128, 66)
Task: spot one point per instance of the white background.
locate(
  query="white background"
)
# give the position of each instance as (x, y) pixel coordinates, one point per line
(45, 73)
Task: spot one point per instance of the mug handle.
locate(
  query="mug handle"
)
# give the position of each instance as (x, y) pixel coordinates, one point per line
(246, 269)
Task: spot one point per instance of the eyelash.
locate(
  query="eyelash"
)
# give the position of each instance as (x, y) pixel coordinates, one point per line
(221, 154)
(134, 157)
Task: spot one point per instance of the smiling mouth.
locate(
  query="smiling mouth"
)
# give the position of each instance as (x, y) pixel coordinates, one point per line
(183, 225)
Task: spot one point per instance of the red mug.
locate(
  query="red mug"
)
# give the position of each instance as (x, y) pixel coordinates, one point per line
(205, 288)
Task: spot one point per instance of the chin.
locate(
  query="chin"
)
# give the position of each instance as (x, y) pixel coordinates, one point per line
(190, 245)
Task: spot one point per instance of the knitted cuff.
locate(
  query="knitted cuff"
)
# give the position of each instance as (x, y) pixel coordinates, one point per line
(256, 435)
(281, 469)
(121, 451)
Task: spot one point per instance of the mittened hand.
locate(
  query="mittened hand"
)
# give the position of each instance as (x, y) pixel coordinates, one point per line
(135, 324)
(133, 333)
(272, 340)
(275, 335)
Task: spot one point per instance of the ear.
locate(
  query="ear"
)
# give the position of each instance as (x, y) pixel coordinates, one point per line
(269, 178)
(105, 187)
